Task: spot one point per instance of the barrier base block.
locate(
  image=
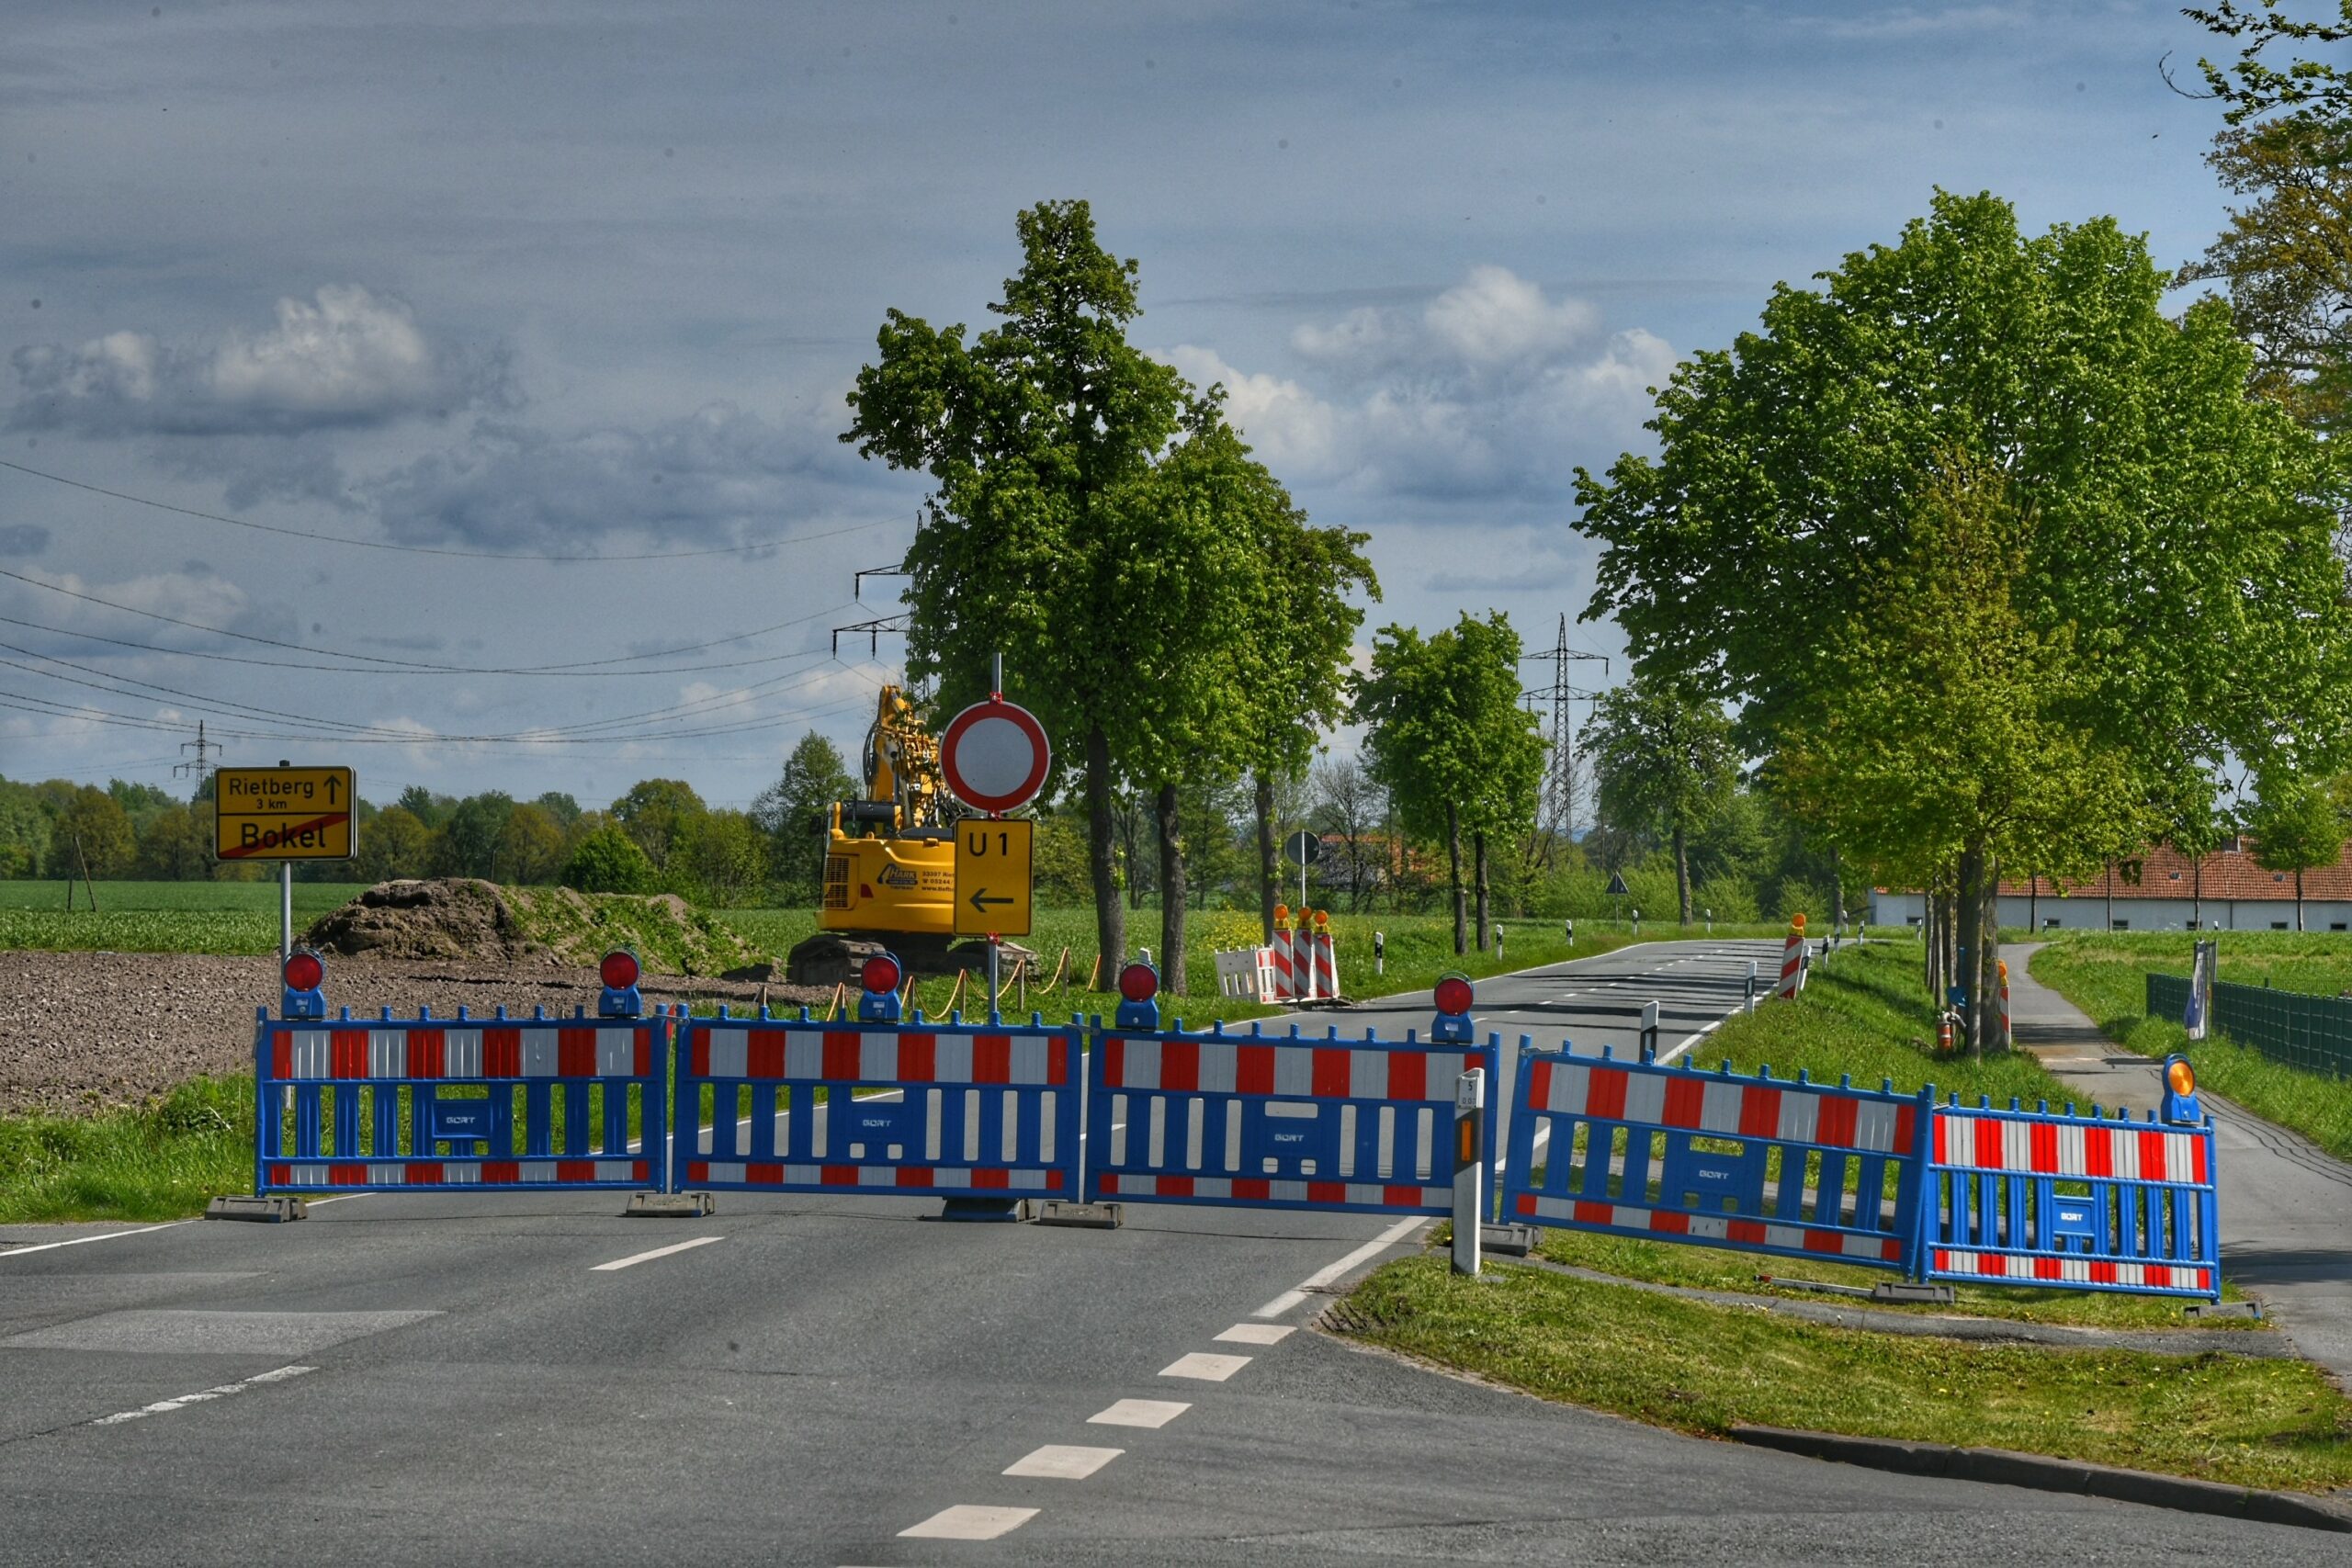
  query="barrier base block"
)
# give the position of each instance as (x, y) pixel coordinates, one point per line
(1511, 1241)
(1906, 1291)
(2226, 1309)
(670, 1206)
(985, 1210)
(1083, 1217)
(266, 1210)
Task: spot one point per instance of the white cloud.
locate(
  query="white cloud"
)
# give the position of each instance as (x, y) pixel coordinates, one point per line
(1489, 390)
(345, 357)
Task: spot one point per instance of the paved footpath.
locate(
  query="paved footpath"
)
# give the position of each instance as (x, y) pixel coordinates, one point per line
(2286, 1205)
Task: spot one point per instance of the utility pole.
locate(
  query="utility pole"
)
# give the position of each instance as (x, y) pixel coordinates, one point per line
(200, 765)
(1561, 780)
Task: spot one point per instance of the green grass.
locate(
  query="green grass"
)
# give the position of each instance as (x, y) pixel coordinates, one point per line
(238, 918)
(2106, 976)
(154, 1162)
(254, 897)
(1699, 1368)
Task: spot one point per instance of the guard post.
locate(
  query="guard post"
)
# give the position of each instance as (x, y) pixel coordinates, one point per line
(1469, 1169)
(1649, 1032)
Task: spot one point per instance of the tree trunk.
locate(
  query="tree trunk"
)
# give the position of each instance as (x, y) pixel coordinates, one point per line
(2299, 899)
(1262, 796)
(1984, 989)
(1928, 946)
(1479, 860)
(1110, 917)
(1682, 872)
(1454, 852)
(1171, 892)
(1970, 927)
(1837, 892)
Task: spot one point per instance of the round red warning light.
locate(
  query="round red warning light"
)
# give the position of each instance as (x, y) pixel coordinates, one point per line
(619, 969)
(1138, 982)
(880, 973)
(1453, 995)
(304, 971)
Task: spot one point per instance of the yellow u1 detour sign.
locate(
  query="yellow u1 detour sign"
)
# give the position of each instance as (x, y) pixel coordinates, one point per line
(992, 893)
(284, 812)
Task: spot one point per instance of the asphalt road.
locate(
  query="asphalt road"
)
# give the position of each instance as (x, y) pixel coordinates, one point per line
(815, 1380)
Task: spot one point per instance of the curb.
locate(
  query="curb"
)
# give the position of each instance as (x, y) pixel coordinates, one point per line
(2001, 1467)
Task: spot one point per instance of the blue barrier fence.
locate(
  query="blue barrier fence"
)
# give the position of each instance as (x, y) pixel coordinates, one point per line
(393, 1104)
(1275, 1122)
(945, 1107)
(2032, 1198)
(1672, 1153)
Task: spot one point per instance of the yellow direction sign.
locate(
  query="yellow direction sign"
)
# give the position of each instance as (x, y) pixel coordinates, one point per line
(284, 812)
(993, 876)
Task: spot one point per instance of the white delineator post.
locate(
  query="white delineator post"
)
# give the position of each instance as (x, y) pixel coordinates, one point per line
(1469, 1170)
(1751, 985)
(1649, 1031)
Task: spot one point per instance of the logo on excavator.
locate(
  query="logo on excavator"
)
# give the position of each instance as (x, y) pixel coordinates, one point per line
(898, 876)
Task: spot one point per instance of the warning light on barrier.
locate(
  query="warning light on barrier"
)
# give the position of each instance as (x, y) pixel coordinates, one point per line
(619, 971)
(1138, 993)
(1453, 1026)
(880, 976)
(880, 973)
(2180, 1105)
(304, 972)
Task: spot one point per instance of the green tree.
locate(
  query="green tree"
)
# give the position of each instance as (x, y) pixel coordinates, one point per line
(1449, 742)
(530, 847)
(609, 861)
(662, 816)
(174, 847)
(2182, 527)
(24, 832)
(727, 859)
(2296, 826)
(561, 810)
(793, 812)
(395, 845)
(1664, 759)
(467, 844)
(1030, 434)
(426, 806)
(93, 831)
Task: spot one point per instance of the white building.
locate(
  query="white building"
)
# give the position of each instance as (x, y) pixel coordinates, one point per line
(2164, 891)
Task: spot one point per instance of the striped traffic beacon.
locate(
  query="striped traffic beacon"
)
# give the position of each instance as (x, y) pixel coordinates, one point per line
(1285, 972)
(1327, 962)
(1792, 960)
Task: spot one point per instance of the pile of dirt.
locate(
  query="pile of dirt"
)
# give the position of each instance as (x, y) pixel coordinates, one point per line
(480, 922)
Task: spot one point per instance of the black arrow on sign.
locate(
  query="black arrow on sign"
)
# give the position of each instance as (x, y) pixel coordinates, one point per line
(333, 783)
(980, 900)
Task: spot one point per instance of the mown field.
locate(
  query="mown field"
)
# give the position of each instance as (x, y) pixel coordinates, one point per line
(2106, 976)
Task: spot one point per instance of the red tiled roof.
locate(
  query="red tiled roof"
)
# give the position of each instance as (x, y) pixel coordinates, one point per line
(2165, 872)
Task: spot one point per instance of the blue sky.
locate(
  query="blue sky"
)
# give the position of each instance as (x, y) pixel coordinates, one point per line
(590, 278)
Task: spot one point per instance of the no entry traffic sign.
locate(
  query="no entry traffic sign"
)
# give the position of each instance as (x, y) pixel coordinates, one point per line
(995, 755)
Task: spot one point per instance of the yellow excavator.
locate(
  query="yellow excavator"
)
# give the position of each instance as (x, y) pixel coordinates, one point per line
(890, 859)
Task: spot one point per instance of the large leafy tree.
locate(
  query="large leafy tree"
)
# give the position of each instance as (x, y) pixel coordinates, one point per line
(1034, 434)
(2296, 826)
(2182, 527)
(1449, 742)
(1664, 760)
(793, 812)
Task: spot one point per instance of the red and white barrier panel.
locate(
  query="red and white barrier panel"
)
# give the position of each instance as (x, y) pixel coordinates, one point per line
(1684, 1225)
(1736, 1108)
(2027, 1146)
(847, 1056)
(2024, 1270)
(1243, 1067)
(355, 1052)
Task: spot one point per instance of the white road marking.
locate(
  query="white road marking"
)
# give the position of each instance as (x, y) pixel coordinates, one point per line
(1204, 1366)
(1257, 1333)
(166, 1406)
(657, 1252)
(1323, 1277)
(968, 1521)
(1063, 1461)
(84, 1240)
(1152, 1413)
(339, 1198)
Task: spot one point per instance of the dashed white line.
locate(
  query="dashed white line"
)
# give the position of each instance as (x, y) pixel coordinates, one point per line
(1323, 1277)
(1204, 1366)
(1257, 1333)
(658, 1252)
(1063, 1461)
(166, 1406)
(1152, 1413)
(86, 1240)
(969, 1521)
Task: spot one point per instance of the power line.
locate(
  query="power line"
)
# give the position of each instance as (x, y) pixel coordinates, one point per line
(429, 549)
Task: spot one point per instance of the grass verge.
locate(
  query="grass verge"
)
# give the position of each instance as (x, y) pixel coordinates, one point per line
(1699, 1368)
(2107, 978)
(154, 1162)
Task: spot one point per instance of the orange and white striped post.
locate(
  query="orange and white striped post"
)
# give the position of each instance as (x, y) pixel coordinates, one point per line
(1285, 981)
(1327, 961)
(1793, 959)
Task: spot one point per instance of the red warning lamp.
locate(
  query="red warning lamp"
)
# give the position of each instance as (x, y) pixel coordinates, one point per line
(1453, 1025)
(1453, 993)
(618, 969)
(881, 973)
(1138, 983)
(304, 972)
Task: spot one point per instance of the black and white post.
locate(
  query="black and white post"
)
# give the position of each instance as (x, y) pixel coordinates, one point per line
(1469, 1170)
(1649, 1031)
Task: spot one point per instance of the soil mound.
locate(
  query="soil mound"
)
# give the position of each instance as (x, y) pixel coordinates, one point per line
(444, 917)
(467, 919)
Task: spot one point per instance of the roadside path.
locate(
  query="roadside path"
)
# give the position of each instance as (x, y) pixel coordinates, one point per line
(2286, 1205)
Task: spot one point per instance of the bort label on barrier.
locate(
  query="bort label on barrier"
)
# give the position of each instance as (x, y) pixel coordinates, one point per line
(284, 812)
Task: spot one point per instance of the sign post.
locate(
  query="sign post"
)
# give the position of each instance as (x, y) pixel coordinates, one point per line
(1304, 849)
(284, 814)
